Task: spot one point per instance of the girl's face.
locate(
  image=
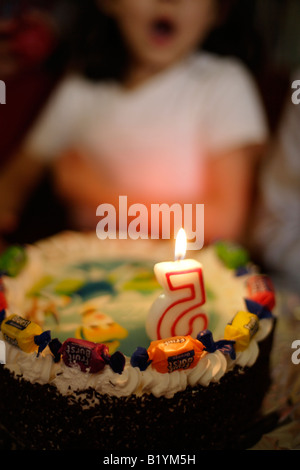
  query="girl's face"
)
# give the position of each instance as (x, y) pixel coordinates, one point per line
(160, 32)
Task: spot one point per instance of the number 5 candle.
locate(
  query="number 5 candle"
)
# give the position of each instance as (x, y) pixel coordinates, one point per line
(177, 311)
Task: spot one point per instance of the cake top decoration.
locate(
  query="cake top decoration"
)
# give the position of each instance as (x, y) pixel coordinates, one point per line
(173, 352)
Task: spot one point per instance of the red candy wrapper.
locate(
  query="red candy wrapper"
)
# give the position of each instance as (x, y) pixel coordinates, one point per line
(3, 303)
(85, 354)
(261, 290)
(90, 357)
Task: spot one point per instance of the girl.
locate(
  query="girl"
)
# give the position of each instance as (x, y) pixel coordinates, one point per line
(164, 123)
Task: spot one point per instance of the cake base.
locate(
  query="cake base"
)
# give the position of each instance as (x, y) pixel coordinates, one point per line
(216, 417)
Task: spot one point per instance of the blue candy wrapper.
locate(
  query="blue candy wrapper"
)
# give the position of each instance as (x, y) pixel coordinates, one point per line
(225, 346)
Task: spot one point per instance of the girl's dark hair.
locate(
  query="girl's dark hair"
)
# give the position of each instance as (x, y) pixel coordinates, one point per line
(99, 53)
(96, 46)
(237, 34)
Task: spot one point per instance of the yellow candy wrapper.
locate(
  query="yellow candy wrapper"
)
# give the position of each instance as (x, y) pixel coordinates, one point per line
(24, 334)
(241, 329)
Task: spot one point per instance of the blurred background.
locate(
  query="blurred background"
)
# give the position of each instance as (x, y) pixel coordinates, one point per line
(40, 40)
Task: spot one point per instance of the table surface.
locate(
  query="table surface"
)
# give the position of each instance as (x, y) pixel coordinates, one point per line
(284, 394)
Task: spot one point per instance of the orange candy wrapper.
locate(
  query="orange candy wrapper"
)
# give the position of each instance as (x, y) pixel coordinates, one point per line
(170, 354)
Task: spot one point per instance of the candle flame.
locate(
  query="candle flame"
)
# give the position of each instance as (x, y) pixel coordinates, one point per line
(180, 245)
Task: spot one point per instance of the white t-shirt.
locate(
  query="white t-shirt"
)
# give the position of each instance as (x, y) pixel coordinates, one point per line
(154, 139)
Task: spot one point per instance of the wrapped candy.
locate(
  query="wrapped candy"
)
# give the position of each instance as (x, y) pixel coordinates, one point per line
(231, 254)
(260, 310)
(13, 260)
(261, 290)
(225, 346)
(241, 329)
(26, 335)
(90, 357)
(3, 303)
(170, 354)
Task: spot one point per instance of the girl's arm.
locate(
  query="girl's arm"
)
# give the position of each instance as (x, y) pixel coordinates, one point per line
(18, 177)
(230, 184)
(78, 183)
(228, 195)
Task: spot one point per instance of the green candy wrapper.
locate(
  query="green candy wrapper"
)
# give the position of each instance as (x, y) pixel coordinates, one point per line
(13, 260)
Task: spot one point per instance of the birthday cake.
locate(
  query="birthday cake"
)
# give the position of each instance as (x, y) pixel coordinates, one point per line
(82, 371)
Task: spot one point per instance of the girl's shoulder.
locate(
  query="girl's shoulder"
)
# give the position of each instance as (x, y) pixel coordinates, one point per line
(211, 66)
(222, 79)
(76, 86)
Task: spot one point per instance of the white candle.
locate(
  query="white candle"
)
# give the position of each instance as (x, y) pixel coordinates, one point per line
(177, 311)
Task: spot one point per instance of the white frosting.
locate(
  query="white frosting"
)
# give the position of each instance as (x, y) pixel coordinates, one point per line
(248, 356)
(41, 369)
(210, 368)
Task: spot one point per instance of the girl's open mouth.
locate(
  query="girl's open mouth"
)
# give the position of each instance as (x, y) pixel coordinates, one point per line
(162, 30)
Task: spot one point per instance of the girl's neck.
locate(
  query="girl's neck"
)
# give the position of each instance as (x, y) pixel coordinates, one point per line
(139, 74)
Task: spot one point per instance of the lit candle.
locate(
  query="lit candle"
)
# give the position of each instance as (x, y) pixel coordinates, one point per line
(177, 311)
